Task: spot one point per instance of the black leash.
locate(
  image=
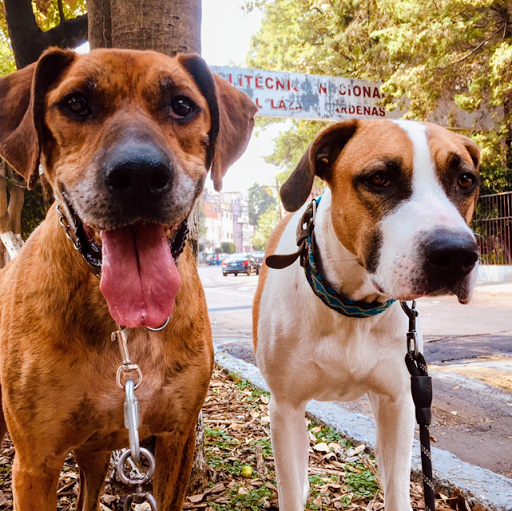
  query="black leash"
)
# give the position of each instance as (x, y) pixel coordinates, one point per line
(421, 388)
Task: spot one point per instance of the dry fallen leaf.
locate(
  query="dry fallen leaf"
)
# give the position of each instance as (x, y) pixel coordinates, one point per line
(323, 447)
(356, 450)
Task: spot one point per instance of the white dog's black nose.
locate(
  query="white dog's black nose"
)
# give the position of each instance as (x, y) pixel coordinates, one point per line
(138, 172)
(449, 255)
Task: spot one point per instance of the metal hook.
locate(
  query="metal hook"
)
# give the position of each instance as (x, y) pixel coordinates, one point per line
(412, 334)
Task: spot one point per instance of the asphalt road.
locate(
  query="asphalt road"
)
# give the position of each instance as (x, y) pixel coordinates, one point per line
(468, 348)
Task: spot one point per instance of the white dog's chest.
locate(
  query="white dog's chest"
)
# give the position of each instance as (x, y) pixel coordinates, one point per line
(328, 356)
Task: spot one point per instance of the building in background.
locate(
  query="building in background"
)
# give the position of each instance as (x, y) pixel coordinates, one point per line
(226, 220)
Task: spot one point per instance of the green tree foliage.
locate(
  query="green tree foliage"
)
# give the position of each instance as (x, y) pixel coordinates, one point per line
(260, 199)
(47, 11)
(266, 224)
(227, 247)
(427, 53)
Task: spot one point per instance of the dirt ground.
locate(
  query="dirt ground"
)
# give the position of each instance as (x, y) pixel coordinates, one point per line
(241, 465)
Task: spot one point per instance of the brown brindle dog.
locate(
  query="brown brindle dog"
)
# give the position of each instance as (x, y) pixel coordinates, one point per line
(126, 139)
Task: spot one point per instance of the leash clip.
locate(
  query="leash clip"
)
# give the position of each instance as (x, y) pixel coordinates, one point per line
(121, 336)
(131, 423)
(131, 420)
(412, 334)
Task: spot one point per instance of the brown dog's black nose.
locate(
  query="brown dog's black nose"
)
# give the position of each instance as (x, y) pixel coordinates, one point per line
(449, 255)
(138, 172)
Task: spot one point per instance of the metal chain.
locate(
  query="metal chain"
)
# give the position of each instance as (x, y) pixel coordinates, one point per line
(63, 221)
(421, 388)
(131, 423)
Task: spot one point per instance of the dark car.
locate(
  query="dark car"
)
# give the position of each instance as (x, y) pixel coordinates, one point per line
(259, 256)
(240, 263)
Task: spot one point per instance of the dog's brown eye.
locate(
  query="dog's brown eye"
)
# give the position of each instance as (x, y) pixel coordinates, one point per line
(181, 107)
(379, 179)
(78, 104)
(466, 181)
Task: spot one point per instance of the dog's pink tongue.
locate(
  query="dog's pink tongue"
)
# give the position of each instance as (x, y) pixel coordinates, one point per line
(139, 279)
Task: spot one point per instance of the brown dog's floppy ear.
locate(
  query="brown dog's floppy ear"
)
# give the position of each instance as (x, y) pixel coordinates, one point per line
(231, 113)
(317, 161)
(237, 113)
(22, 97)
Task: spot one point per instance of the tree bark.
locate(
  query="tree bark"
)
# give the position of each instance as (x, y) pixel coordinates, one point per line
(168, 27)
(100, 26)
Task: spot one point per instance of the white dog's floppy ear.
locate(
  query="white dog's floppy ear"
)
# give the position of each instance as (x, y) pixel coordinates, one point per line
(22, 105)
(317, 161)
(472, 148)
(231, 113)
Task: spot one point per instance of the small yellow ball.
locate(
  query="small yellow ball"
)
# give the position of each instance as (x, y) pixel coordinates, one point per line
(246, 471)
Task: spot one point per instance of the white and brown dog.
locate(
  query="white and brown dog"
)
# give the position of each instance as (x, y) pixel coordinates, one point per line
(392, 224)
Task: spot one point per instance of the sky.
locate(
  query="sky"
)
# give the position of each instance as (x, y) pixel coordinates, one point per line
(225, 39)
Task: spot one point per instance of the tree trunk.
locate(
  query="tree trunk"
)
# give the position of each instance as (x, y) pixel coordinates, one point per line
(169, 27)
(100, 26)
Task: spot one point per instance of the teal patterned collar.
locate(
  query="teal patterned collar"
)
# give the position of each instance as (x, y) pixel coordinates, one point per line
(319, 284)
(332, 298)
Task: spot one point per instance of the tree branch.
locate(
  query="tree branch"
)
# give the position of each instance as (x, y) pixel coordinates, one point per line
(475, 49)
(25, 35)
(61, 11)
(69, 33)
(29, 41)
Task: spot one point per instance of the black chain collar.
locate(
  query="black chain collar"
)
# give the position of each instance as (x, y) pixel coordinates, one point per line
(91, 251)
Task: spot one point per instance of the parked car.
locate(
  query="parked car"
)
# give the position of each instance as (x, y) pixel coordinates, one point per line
(216, 259)
(259, 256)
(240, 263)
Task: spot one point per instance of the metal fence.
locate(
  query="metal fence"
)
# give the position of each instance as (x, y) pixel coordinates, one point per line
(492, 224)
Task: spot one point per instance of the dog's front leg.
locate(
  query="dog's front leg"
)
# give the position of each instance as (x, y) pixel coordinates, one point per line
(34, 485)
(174, 457)
(395, 430)
(93, 468)
(290, 445)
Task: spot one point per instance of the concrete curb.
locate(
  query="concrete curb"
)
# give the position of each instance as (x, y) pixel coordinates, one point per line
(478, 485)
